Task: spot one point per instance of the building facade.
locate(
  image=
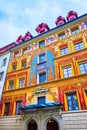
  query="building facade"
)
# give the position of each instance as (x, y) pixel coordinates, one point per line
(46, 81)
(4, 60)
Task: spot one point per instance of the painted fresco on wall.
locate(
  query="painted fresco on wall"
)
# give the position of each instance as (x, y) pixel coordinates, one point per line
(51, 39)
(47, 66)
(68, 32)
(53, 95)
(83, 26)
(29, 98)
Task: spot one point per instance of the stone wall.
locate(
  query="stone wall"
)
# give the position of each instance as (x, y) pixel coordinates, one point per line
(75, 120)
(11, 123)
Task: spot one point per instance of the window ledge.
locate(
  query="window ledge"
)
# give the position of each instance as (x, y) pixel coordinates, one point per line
(41, 62)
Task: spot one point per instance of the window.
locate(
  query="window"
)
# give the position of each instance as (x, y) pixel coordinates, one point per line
(14, 67)
(72, 102)
(21, 83)
(4, 62)
(1, 75)
(86, 92)
(18, 106)
(41, 100)
(16, 54)
(24, 64)
(83, 67)
(79, 46)
(41, 44)
(24, 50)
(64, 51)
(42, 77)
(67, 72)
(75, 30)
(62, 36)
(11, 85)
(7, 108)
(42, 58)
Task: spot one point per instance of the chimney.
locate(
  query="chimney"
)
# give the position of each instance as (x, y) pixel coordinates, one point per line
(27, 36)
(60, 20)
(71, 15)
(19, 39)
(43, 27)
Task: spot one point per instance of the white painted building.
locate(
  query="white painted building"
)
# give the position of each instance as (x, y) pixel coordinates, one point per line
(4, 61)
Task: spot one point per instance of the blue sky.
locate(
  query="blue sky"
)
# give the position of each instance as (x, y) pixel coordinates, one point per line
(19, 16)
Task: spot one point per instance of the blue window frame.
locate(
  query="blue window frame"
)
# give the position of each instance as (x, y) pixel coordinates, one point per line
(64, 51)
(18, 106)
(41, 57)
(83, 68)
(79, 46)
(42, 77)
(67, 72)
(75, 30)
(72, 102)
(41, 100)
(42, 44)
(61, 36)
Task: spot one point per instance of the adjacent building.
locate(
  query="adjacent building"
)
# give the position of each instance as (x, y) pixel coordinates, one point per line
(46, 80)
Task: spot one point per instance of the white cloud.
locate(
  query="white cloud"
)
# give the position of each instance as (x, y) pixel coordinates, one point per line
(26, 15)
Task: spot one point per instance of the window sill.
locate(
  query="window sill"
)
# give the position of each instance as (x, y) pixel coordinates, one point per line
(41, 62)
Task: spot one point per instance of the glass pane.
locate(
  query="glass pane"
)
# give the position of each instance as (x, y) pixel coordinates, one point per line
(42, 58)
(18, 106)
(41, 100)
(42, 44)
(7, 108)
(79, 46)
(72, 102)
(42, 77)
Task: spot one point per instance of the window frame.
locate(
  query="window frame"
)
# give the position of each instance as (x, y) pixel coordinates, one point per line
(65, 67)
(21, 79)
(75, 30)
(73, 93)
(80, 63)
(61, 36)
(24, 64)
(40, 97)
(78, 43)
(16, 109)
(25, 50)
(4, 62)
(1, 75)
(64, 52)
(9, 85)
(16, 54)
(14, 65)
(43, 45)
(5, 109)
(38, 76)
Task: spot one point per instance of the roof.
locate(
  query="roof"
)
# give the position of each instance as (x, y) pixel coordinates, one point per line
(35, 106)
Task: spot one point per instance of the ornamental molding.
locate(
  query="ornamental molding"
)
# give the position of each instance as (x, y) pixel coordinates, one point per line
(40, 91)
